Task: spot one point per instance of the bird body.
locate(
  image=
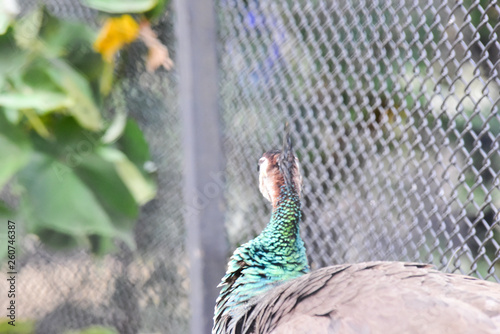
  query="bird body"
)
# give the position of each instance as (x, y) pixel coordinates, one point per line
(268, 288)
(377, 297)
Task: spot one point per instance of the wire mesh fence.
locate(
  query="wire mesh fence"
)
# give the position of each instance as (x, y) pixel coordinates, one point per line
(394, 106)
(394, 109)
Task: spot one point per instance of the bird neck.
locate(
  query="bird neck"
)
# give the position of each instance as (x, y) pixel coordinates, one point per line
(285, 218)
(274, 257)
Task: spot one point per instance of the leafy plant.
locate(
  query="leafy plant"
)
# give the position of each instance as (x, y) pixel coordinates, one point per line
(80, 179)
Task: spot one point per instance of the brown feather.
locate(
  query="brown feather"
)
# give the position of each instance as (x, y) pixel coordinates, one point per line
(377, 297)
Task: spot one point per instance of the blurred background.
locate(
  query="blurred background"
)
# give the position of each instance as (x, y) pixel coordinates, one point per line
(394, 113)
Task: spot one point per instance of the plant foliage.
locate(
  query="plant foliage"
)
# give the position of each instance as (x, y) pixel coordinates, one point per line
(80, 179)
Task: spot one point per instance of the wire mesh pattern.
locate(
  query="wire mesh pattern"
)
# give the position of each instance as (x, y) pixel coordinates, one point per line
(394, 106)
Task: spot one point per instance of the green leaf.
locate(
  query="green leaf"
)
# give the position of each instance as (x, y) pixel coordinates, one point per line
(133, 144)
(15, 146)
(13, 116)
(61, 37)
(26, 30)
(39, 100)
(157, 11)
(58, 240)
(21, 327)
(115, 130)
(60, 202)
(101, 177)
(77, 87)
(100, 245)
(121, 6)
(11, 57)
(71, 142)
(34, 78)
(94, 330)
(36, 122)
(142, 189)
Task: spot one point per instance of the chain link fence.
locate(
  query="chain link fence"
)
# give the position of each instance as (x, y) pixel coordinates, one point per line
(394, 110)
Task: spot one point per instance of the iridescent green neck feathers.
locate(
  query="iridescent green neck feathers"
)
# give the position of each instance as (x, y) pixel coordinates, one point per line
(275, 256)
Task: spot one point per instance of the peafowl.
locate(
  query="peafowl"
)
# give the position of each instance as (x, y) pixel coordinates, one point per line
(268, 286)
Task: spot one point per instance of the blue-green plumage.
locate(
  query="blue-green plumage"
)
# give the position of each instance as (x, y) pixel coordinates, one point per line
(276, 255)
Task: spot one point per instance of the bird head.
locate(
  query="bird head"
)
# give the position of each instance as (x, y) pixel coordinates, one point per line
(279, 168)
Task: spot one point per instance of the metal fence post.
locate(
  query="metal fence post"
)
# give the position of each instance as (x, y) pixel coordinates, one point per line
(207, 244)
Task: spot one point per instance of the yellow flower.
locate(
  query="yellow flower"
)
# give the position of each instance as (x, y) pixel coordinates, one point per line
(116, 32)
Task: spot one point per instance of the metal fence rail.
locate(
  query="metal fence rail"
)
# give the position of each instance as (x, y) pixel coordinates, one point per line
(394, 110)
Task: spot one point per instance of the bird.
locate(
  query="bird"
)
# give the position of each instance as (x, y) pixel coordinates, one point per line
(269, 289)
